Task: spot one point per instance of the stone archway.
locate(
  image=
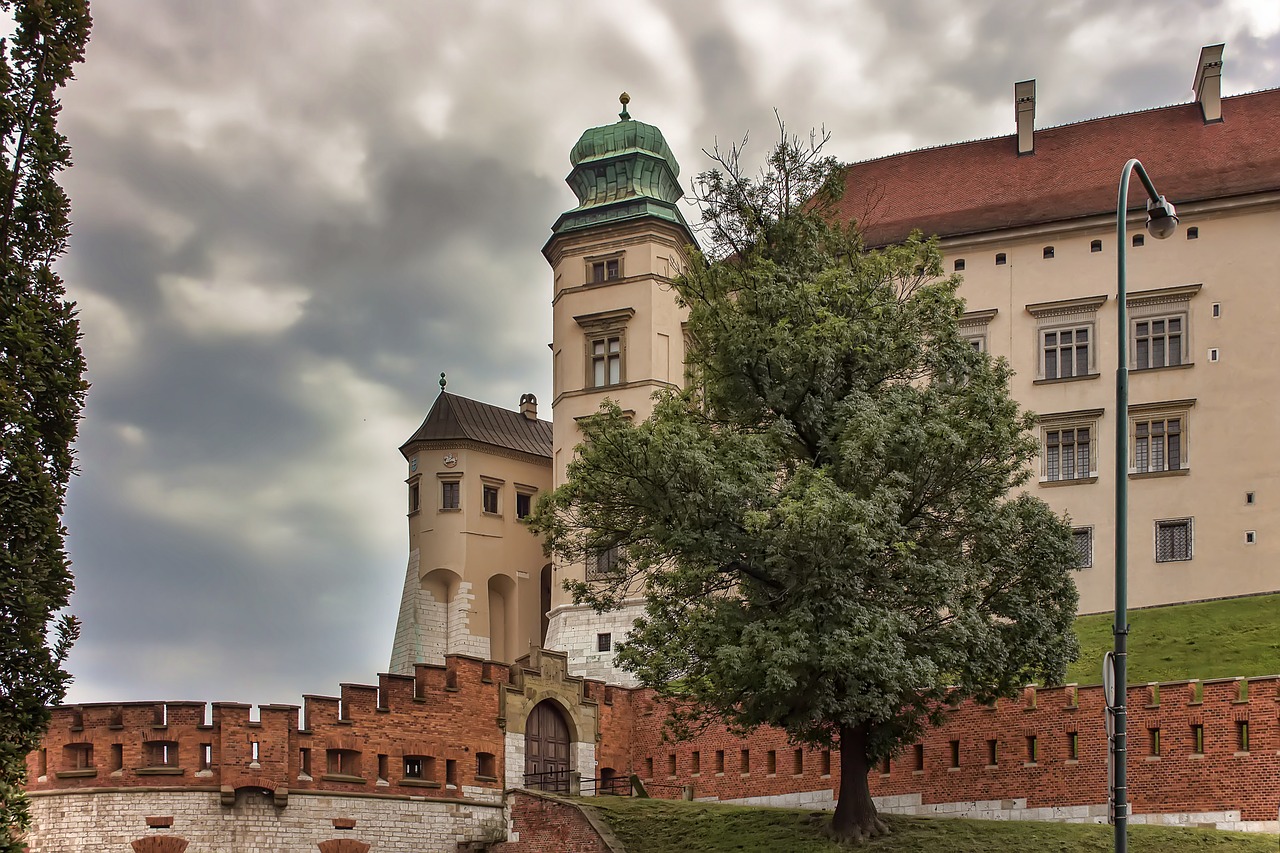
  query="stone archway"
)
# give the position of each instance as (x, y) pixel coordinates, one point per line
(547, 748)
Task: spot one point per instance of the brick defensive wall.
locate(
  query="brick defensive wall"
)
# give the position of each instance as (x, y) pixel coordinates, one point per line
(1200, 752)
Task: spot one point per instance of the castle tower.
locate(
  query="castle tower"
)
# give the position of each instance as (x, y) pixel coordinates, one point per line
(618, 333)
(477, 582)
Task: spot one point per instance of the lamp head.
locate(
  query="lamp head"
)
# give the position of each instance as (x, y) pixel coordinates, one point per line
(1162, 218)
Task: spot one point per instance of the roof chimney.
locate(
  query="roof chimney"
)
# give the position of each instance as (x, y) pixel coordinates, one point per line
(529, 406)
(1024, 101)
(1208, 83)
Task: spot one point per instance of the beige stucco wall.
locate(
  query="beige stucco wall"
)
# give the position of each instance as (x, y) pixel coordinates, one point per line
(1234, 406)
(488, 566)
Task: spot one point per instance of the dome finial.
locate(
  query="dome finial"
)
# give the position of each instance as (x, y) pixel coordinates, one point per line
(443, 382)
(624, 99)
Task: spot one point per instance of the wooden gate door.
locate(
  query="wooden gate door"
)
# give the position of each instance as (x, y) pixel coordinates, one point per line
(546, 748)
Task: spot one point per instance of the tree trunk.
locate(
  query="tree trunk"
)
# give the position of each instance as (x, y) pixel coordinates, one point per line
(855, 818)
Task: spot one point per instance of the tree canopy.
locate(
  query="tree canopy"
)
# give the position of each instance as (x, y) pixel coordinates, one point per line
(41, 389)
(827, 523)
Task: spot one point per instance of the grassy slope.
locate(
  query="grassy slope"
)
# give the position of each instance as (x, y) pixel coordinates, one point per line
(1213, 639)
(664, 826)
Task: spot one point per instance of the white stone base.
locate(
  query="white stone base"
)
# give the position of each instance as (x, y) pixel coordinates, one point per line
(1015, 809)
(70, 822)
(575, 629)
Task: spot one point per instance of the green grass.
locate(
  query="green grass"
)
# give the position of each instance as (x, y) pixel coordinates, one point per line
(1212, 639)
(665, 826)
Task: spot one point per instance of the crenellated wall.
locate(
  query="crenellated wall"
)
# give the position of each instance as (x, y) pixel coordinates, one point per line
(1200, 752)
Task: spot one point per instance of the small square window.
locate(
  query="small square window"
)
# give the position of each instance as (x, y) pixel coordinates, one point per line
(1048, 252)
(959, 265)
(1193, 233)
(1173, 540)
(491, 499)
(1139, 240)
(1213, 354)
(1250, 537)
(450, 493)
(1001, 260)
(1248, 497)
(603, 564)
(604, 642)
(1217, 309)
(1095, 246)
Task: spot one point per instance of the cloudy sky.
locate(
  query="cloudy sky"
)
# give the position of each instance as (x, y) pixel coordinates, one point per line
(291, 216)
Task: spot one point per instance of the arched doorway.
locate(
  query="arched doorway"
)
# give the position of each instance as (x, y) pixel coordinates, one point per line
(546, 748)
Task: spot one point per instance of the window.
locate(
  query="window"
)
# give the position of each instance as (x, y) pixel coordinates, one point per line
(1250, 537)
(1197, 738)
(1073, 746)
(824, 763)
(959, 265)
(382, 767)
(450, 495)
(992, 754)
(1157, 445)
(206, 756)
(603, 564)
(160, 753)
(1217, 309)
(1065, 352)
(415, 497)
(1068, 453)
(606, 270)
(606, 362)
(491, 499)
(1095, 246)
(1033, 749)
(797, 763)
(1193, 233)
(1082, 538)
(1065, 337)
(606, 346)
(1048, 252)
(771, 762)
(955, 753)
(973, 327)
(919, 756)
(1242, 735)
(524, 504)
(1157, 342)
(342, 762)
(1153, 742)
(77, 756)
(695, 763)
(117, 757)
(1173, 540)
(745, 764)
(604, 642)
(486, 766)
(671, 764)
(1000, 259)
(1139, 240)
(451, 772)
(720, 761)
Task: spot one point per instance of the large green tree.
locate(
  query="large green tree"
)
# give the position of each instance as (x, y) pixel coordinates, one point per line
(41, 389)
(827, 524)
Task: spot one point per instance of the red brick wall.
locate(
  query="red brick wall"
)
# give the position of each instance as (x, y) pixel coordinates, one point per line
(1179, 779)
(546, 824)
(450, 713)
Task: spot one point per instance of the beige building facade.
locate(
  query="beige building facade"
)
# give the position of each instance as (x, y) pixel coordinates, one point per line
(1028, 220)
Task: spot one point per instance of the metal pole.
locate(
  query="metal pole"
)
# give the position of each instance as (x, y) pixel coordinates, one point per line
(1120, 629)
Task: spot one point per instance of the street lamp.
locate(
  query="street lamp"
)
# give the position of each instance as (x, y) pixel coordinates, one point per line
(1162, 221)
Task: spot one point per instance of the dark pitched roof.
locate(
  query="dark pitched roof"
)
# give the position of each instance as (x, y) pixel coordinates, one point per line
(455, 418)
(971, 187)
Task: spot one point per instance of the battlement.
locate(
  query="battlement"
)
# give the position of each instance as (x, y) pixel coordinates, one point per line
(434, 733)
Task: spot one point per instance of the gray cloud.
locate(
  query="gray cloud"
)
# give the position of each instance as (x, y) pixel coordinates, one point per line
(290, 217)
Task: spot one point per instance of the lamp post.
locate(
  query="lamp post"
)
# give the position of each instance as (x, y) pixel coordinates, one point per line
(1162, 221)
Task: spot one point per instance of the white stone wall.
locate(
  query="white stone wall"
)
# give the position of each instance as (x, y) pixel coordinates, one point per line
(513, 747)
(574, 629)
(72, 822)
(406, 649)
(1015, 809)
(584, 761)
(461, 639)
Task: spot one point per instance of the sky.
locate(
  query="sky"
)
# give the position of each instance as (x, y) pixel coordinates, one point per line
(291, 216)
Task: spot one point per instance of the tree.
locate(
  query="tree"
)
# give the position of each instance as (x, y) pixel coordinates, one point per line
(41, 389)
(827, 526)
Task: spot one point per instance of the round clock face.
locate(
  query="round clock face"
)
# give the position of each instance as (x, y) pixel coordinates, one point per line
(450, 460)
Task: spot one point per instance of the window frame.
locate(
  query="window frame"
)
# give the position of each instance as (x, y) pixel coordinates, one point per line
(601, 328)
(1141, 417)
(974, 325)
(604, 269)
(1164, 303)
(1086, 559)
(450, 492)
(1070, 315)
(491, 486)
(1073, 422)
(1170, 524)
(613, 560)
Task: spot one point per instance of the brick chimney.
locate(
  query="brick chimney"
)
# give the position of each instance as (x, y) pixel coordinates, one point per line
(1208, 84)
(529, 406)
(1024, 102)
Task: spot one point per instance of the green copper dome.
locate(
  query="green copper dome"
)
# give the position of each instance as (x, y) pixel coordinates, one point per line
(622, 171)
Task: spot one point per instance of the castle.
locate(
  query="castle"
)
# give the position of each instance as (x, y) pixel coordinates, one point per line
(497, 679)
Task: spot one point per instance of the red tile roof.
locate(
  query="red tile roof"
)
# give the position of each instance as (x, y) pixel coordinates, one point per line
(979, 186)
